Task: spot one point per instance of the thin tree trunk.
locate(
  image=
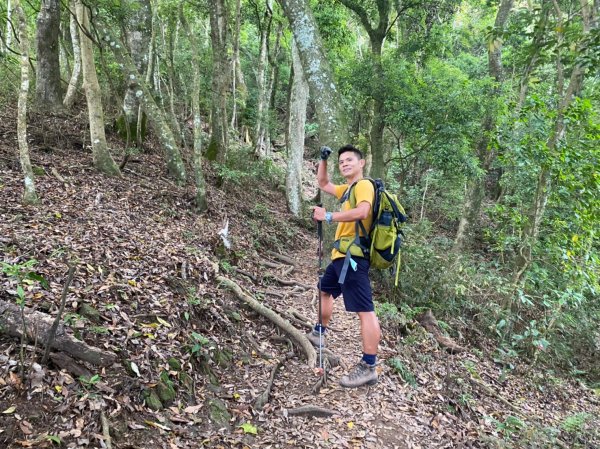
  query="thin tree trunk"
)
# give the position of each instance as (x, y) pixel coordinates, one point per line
(295, 134)
(138, 33)
(377, 36)
(103, 161)
(76, 73)
(48, 88)
(201, 201)
(219, 140)
(240, 91)
(333, 131)
(544, 183)
(29, 193)
(7, 39)
(260, 145)
(485, 154)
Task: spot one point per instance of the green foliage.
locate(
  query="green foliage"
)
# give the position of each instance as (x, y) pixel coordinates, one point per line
(400, 368)
(22, 276)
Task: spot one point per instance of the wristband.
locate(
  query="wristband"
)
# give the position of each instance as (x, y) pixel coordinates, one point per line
(328, 217)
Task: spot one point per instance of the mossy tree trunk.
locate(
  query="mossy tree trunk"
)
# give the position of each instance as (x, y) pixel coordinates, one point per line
(298, 102)
(262, 104)
(201, 201)
(29, 194)
(155, 114)
(535, 214)
(103, 161)
(138, 33)
(239, 88)
(47, 87)
(76, 73)
(333, 131)
(217, 147)
(377, 34)
(485, 153)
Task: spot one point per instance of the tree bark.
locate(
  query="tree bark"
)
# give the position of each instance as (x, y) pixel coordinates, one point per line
(333, 130)
(219, 140)
(156, 116)
(38, 326)
(201, 201)
(138, 32)
(377, 36)
(264, 27)
(544, 182)
(282, 323)
(29, 193)
(295, 134)
(76, 73)
(239, 88)
(485, 154)
(48, 88)
(103, 161)
(7, 37)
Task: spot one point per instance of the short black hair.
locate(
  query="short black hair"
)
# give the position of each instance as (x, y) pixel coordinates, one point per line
(352, 148)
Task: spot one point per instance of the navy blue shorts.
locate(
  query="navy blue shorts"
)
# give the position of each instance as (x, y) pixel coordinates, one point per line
(356, 288)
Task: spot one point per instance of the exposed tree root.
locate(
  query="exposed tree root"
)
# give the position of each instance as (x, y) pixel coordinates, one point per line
(38, 327)
(309, 410)
(428, 321)
(263, 398)
(105, 430)
(282, 258)
(282, 323)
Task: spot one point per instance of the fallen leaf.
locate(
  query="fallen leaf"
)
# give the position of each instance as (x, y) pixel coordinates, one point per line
(192, 409)
(350, 425)
(10, 410)
(249, 428)
(135, 369)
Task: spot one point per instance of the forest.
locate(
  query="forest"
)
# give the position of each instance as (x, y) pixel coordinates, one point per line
(158, 255)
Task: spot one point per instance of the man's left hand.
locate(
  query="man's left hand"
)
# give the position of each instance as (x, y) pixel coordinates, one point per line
(319, 213)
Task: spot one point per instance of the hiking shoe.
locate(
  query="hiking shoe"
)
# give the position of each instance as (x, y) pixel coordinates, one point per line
(313, 337)
(362, 374)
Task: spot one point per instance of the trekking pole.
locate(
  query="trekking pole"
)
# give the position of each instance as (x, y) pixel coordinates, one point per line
(320, 252)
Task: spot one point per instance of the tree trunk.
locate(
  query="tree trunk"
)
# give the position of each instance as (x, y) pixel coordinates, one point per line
(485, 154)
(103, 161)
(137, 35)
(47, 88)
(377, 35)
(264, 25)
(333, 131)
(7, 37)
(295, 134)
(239, 89)
(544, 184)
(217, 148)
(29, 194)
(201, 201)
(76, 73)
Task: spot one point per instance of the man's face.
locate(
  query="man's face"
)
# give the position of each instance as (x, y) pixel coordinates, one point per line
(350, 165)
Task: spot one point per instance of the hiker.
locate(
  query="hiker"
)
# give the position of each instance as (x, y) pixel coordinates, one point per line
(348, 275)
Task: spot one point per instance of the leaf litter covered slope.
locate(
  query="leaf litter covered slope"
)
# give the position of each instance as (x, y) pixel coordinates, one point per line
(148, 266)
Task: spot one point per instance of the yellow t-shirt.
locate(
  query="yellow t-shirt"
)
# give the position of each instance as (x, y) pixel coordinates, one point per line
(363, 191)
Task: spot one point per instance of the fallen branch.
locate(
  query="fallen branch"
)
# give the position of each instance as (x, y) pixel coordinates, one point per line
(309, 410)
(282, 323)
(38, 326)
(263, 398)
(428, 321)
(57, 175)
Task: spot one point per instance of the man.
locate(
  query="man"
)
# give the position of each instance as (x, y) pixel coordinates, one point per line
(351, 280)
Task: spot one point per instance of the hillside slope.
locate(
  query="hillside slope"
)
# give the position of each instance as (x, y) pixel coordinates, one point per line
(192, 359)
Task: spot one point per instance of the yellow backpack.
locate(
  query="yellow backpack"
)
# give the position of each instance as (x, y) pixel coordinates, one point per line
(383, 240)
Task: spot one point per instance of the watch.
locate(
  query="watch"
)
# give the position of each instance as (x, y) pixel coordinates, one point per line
(328, 217)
